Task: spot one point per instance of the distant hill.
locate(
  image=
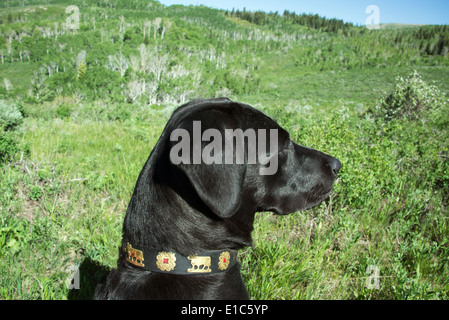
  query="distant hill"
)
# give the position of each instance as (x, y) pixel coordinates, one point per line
(391, 26)
(141, 52)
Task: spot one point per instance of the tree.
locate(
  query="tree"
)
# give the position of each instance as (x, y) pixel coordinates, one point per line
(118, 63)
(7, 84)
(39, 87)
(135, 89)
(81, 70)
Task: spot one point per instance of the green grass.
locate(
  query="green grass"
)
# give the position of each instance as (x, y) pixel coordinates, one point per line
(50, 221)
(64, 204)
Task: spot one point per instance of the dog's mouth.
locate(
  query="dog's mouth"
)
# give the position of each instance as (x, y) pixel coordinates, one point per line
(308, 203)
(316, 198)
(302, 201)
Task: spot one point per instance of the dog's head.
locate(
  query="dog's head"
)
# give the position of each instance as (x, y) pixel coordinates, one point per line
(236, 157)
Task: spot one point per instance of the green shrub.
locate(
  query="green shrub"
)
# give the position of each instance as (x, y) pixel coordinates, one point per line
(411, 98)
(63, 111)
(10, 115)
(14, 235)
(8, 146)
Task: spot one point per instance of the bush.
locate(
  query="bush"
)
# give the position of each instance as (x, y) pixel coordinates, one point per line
(8, 147)
(63, 111)
(411, 98)
(10, 115)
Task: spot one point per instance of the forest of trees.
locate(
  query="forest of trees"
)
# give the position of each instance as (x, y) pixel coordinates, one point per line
(433, 40)
(313, 21)
(142, 52)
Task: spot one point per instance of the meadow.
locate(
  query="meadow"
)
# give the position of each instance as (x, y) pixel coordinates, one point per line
(81, 109)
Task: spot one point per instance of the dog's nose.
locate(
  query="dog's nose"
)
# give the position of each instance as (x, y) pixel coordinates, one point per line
(335, 165)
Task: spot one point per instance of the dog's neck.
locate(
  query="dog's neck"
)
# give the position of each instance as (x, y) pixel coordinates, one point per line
(159, 217)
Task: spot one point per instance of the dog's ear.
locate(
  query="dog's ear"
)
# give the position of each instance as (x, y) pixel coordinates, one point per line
(217, 180)
(218, 185)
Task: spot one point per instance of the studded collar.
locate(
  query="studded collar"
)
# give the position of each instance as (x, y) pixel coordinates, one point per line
(170, 262)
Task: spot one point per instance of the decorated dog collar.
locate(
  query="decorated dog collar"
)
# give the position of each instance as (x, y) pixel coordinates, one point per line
(207, 262)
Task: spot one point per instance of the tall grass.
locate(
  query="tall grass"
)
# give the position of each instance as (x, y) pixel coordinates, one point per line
(63, 206)
(66, 202)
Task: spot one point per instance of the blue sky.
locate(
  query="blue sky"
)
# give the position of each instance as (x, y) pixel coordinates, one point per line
(397, 11)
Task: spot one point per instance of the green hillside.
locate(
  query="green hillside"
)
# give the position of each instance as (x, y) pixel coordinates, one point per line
(86, 88)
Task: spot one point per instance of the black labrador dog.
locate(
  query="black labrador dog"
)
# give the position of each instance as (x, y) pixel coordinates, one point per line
(194, 202)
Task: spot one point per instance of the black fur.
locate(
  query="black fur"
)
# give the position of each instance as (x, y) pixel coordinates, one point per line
(198, 207)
